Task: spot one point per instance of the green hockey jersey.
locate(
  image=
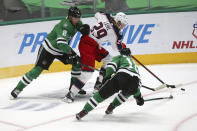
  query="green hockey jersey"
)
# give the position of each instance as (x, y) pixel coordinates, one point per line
(57, 41)
(122, 63)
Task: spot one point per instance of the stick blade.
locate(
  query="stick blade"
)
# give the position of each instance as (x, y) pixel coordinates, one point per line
(160, 87)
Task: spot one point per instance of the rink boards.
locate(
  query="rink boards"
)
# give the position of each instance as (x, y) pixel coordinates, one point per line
(160, 38)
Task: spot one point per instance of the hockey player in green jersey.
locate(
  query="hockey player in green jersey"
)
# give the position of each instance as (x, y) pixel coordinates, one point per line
(55, 46)
(125, 82)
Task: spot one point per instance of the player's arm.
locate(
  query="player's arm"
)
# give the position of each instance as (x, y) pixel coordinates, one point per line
(90, 41)
(63, 39)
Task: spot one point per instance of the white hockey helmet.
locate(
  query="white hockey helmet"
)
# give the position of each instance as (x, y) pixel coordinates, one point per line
(122, 17)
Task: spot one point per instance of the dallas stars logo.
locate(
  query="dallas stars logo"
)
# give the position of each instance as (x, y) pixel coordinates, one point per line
(65, 25)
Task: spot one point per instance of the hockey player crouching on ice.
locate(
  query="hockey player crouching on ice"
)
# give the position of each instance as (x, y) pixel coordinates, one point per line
(89, 52)
(55, 46)
(125, 82)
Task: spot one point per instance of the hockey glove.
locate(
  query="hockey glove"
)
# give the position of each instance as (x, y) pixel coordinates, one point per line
(125, 51)
(73, 59)
(120, 45)
(139, 100)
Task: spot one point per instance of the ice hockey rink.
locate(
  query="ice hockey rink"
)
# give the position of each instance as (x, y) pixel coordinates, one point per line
(39, 106)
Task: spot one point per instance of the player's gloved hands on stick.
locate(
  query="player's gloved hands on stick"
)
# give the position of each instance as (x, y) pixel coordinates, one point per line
(120, 45)
(139, 99)
(125, 51)
(73, 59)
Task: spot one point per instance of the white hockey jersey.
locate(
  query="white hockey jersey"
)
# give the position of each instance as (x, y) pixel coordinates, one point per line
(103, 31)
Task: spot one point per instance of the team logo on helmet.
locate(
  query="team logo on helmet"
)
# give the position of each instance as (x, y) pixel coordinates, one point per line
(194, 33)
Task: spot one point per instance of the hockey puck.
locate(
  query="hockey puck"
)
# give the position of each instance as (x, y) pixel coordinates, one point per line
(171, 97)
(182, 89)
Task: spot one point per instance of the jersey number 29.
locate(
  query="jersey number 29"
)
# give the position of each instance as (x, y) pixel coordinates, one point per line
(100, 31)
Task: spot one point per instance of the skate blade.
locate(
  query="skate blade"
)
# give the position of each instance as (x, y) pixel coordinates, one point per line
(66, 100)
(78, 118)
(12, 98)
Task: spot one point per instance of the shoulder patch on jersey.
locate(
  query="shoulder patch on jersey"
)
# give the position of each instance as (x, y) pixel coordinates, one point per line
(65, 25)
(64, 32)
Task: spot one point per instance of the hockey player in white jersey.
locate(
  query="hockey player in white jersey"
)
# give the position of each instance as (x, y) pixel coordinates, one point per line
(107, 29)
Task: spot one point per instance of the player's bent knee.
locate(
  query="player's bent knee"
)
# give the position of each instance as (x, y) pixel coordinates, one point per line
(35, 72)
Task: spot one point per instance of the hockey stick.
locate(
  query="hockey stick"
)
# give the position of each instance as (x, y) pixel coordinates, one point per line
(159, 98)
(161, 87)
(93, 68)
(177, 86)
(153, 89)
(171, 86)
(146, 87)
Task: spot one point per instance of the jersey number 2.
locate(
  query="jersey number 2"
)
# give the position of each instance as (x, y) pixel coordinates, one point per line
(101, 32)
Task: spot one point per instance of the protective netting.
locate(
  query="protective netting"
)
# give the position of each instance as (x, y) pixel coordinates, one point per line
(26, 9)
(59, 7)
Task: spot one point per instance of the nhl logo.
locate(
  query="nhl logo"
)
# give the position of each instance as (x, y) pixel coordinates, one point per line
(194, 33)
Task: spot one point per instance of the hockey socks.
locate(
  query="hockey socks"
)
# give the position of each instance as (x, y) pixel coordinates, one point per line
(96, 99)
(75, 88)
(93, 102)
(119, 99)
(138, 93)
(28, 77)
(138, 97)
(90, 105)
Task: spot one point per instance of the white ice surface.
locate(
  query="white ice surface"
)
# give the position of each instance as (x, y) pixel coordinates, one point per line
(39, 106)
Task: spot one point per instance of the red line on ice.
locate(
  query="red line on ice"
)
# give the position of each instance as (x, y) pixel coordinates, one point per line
(66, 117)
(184, 121)
(189, 83)
(47, 122)
(12, 124)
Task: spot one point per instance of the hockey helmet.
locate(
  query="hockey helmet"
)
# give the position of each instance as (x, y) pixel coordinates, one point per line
(74, 12)
(122, 17)
(85, 29)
